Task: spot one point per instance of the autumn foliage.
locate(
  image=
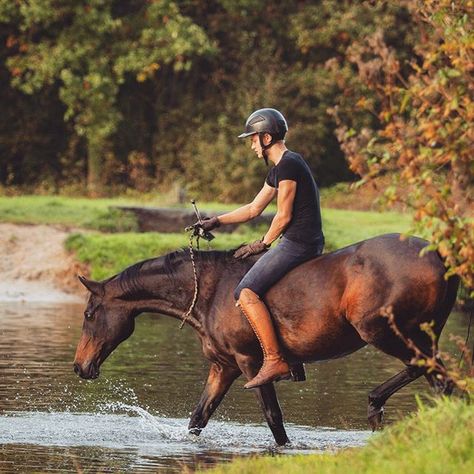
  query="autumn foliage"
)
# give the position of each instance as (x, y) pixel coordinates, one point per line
(423, 134)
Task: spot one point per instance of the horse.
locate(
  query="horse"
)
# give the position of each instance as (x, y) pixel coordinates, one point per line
(325, 308)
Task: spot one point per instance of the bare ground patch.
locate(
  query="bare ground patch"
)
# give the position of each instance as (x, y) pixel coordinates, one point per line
(34, 266)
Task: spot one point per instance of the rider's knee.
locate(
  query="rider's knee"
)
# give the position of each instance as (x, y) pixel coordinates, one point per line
(246, 296)
(237, 293)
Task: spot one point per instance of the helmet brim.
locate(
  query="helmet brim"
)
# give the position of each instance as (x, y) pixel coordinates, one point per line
(246, 134)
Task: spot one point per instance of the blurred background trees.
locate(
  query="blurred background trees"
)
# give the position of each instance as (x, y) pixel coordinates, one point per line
(423, 135)
(107, 95)
(86, 89)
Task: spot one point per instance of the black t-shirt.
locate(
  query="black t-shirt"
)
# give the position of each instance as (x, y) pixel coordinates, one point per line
(305, 225)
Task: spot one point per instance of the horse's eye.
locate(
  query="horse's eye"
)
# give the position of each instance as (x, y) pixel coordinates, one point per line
(88, 315)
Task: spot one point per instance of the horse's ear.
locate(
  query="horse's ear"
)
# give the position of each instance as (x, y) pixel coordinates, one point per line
(95, 287)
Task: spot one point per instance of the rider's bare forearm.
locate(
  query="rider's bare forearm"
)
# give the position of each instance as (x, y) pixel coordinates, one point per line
(279, 223)
(240, 215)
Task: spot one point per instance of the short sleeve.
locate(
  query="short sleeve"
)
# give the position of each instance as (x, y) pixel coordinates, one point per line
(271, 178)
(287, 169)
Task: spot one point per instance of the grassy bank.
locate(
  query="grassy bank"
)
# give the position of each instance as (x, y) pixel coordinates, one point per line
(110, 253)
(107, 254)
(435, 440)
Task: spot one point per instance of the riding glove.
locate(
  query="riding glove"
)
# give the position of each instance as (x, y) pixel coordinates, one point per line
(254, 248)
(208, 223)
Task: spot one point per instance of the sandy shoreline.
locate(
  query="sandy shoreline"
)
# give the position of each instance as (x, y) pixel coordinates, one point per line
(35, 267)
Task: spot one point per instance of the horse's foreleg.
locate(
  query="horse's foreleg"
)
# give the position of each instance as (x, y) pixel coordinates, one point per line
(268, 401)
(382, 393)
(218, 382)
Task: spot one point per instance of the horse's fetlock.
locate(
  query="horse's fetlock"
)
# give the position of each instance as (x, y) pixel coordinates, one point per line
(194, 431)
(375, 401)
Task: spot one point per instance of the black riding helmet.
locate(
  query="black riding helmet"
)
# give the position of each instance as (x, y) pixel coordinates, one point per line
(263, 121)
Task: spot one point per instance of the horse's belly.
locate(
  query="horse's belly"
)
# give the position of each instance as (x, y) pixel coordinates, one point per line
(320, 339)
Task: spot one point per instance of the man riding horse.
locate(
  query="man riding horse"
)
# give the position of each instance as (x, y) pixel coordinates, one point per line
(297, 223)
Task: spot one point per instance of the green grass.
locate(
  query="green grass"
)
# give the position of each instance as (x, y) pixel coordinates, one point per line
(438, 439)
(78, 212)
(72, 212)
(342, 227)
(109, 254)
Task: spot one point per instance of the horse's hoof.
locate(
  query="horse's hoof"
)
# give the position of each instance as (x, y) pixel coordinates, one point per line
(195, 431)
(375, 417)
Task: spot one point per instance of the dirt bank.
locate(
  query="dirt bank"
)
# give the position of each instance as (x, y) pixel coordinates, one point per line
(34, 265)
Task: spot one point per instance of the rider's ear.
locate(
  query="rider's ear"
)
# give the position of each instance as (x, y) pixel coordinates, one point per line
(95, 287)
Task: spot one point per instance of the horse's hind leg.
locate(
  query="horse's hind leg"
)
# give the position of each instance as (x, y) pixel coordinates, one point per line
(438, 380)
(218, 382)
(382, 393)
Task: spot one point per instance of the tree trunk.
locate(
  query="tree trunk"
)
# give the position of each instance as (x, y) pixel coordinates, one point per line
(95, 149)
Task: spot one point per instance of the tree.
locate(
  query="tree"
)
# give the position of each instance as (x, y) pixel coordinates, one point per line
(89, 49)
(424, 136)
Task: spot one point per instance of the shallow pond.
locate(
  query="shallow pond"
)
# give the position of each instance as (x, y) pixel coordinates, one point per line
(134, 417)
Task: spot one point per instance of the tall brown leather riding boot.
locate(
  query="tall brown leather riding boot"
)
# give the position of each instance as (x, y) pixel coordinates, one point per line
(274, 367)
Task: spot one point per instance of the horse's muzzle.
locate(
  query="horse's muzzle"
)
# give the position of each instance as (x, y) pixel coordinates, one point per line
(90, 371)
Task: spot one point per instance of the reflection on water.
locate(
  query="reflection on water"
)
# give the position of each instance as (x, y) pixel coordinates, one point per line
(135, 415)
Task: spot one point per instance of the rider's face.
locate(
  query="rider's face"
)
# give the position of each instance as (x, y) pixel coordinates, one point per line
(255, 143)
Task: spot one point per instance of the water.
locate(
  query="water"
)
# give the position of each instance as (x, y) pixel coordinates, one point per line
(134, 417)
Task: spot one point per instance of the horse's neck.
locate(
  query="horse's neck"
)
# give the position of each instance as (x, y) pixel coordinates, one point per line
(173, 295)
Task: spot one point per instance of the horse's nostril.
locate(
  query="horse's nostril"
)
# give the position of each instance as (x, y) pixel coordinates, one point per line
(77, 369)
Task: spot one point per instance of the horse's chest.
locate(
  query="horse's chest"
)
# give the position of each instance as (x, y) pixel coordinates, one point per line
(214, 351)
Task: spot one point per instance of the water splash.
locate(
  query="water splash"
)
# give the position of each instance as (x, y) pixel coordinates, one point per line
(159, 425)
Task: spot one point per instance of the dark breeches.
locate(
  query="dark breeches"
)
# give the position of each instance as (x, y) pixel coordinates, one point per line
(275, 264)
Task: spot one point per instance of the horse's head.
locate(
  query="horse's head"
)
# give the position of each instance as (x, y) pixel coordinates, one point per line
(107, 322)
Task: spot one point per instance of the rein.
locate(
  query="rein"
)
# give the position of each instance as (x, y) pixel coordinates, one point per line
(187, 314)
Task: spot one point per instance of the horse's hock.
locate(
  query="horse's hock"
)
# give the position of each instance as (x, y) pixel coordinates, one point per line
(155, 219)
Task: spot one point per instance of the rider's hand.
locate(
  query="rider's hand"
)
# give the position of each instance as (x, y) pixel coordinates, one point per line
(251, 249)
(208, 223)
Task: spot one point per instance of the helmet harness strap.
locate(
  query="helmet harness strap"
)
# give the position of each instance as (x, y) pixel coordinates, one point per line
(265, 147)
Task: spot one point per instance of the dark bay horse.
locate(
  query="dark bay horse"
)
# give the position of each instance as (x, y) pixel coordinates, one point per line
(326, 308)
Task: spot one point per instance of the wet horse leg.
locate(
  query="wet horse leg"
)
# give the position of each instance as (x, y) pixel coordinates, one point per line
(267, 397)
(383, 392)
(438, 381)
(218, 383)
(268, 400)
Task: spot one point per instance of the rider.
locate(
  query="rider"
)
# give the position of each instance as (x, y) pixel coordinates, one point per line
(297, 222)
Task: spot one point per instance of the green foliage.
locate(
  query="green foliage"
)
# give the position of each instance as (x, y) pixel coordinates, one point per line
(424, 135)
(435, 440)
(174, 81)
(88, 49)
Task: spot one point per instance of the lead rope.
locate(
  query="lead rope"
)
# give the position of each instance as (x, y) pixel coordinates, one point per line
(191, 253)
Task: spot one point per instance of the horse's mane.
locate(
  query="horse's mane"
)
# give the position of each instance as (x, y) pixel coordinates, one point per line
(168, 264)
